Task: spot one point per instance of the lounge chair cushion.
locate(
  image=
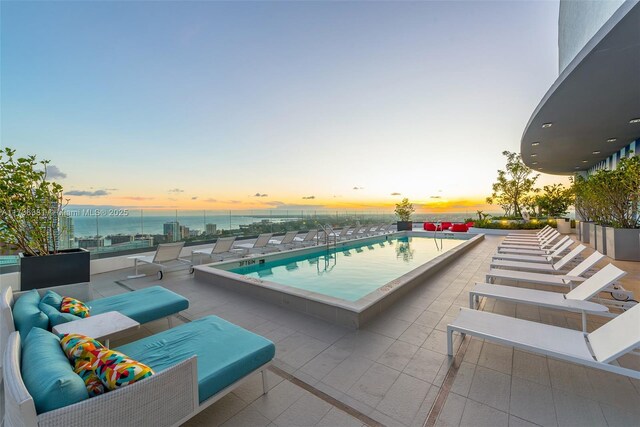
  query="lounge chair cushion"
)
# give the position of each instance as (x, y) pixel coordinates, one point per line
(116, 369)
(56, 317)
(226, 352)
(53, 299)
(144, 305)
(47, 373)
(27, 313)
(459, 228)
(74, 306)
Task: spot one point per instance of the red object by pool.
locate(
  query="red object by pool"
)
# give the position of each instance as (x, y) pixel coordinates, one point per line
(459, 228)
(446, 225)
(429, 226)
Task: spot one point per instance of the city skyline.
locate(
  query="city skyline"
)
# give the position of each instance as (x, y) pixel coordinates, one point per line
(271, 106)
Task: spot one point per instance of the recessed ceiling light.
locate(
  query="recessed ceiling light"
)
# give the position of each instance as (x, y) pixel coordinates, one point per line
(596, 152)
(534, 155)
(534, 163)
(577, 167)
(548, 125)
(535, 144)
(635, 120)
(585, 161)
(539, 169)
(612, 139)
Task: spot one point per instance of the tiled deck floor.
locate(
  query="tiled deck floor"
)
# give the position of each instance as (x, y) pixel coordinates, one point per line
(392, 370)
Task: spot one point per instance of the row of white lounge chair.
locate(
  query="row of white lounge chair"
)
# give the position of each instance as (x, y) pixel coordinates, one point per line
(167, 256)
(537, 259)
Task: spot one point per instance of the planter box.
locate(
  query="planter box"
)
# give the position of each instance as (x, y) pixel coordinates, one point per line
(584, 231)
(592, 236)
(563, 225)
(63, 268)
(601, 239)
(623, 243)
(405, 225)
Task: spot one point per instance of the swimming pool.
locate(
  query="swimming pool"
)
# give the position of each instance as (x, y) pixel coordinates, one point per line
(353, 271)
(348, 284)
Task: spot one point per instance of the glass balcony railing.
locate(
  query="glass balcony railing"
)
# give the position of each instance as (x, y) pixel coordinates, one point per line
(113, 231)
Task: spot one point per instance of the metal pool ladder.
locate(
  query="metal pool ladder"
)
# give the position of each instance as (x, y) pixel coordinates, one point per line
(329, 235)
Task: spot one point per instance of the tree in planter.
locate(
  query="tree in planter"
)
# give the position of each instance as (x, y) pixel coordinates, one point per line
(404, 210)
(513, 185)
(616, 194)
(30, 206)
(582, 197)
(555, 200)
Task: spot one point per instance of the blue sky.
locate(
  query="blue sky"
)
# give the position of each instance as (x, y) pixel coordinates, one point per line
(206, 104)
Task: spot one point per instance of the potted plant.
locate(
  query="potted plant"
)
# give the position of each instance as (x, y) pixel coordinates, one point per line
(32, 219)
(583, 207)
(621, 199)
(404, 209)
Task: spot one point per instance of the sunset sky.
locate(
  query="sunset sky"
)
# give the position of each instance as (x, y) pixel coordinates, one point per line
(275, 105)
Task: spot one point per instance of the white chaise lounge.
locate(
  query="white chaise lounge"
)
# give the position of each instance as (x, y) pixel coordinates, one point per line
(598, 349)
(537, 267)
(529, 251)
(166, 258)
(575, 300)
(544, 259)
(567, 280)
(220, 250)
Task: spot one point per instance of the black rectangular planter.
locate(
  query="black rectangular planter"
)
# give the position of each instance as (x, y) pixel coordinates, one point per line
(405, 225)
(65, 267)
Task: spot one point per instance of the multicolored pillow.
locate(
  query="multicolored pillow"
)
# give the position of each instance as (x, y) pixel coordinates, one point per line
(91, 381)
(78, 346)
(116, 370)
(74, 306)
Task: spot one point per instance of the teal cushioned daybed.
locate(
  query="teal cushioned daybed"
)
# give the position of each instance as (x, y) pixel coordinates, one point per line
(226, 352)
(143, 305)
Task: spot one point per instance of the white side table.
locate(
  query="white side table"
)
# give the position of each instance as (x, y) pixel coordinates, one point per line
(99, 327)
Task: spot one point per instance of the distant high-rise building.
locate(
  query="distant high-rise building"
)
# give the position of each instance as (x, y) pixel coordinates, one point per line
(65, 232)
(184, 232)
(211, 229)
(172, 231)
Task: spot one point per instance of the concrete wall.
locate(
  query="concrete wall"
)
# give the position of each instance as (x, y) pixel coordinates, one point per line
(578, 22)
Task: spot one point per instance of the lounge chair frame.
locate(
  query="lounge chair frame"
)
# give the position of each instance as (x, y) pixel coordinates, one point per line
(166, 258)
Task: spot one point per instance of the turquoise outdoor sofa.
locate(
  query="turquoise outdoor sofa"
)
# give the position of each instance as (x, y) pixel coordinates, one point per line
(195, 365)
(144, 305)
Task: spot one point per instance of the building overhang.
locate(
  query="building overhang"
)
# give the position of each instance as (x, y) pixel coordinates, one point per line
(585, 116)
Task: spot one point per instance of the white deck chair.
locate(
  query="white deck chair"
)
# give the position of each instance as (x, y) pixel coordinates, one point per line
(167, 257)
(526, 251)
(544, 259)
(543, 230)
(536, 237)
(596, 349)
(385, 229)
(309, 239)
(574, 300)
(355, 233)
(343, 233)
(220, 250)
(537, 267)
(546, 242)
(567, 280)
(258, 246)
(286, 241)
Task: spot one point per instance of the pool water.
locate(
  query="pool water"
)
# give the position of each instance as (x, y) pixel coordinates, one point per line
(351, 272)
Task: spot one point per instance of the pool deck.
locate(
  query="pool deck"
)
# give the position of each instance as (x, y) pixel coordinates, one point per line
(392, 371)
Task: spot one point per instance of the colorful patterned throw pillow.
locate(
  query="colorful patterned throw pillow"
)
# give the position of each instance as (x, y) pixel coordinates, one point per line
(74, 306)
(91, 380)
(116, 370)
(78, 346)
